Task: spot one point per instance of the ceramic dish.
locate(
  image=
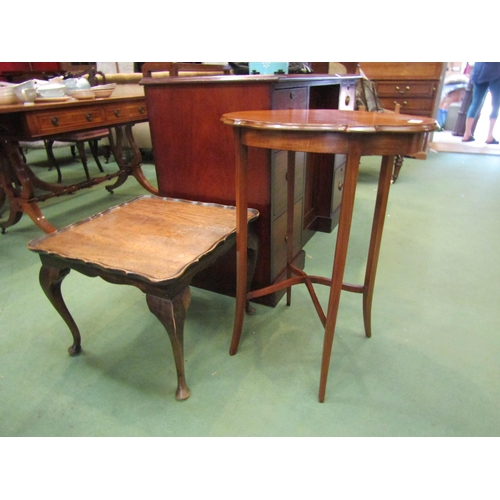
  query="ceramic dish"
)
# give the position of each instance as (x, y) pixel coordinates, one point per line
(102, 92)
(51, 90)
(83, 94)
(107, 86)
(8, 99)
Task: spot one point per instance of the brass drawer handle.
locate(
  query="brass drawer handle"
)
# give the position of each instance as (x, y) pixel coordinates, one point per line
(89, 117)
(142, 110)
(116, 112)
(404, 103)
(55, 121)
(347, 100)
(406, 89)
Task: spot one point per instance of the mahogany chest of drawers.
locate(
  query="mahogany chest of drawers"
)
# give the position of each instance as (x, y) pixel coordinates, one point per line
(416, 87)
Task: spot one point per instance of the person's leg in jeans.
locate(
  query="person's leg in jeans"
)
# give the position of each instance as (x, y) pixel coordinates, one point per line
(478, 93)
(495, 105)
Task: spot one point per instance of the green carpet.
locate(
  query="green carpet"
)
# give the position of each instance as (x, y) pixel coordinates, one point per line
(430, 369)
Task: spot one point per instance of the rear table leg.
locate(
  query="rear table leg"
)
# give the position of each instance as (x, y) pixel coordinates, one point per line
(172, 314)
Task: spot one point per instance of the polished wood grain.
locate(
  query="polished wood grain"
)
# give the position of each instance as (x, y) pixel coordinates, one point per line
(354, 133)
(328, 120)
(155, 244)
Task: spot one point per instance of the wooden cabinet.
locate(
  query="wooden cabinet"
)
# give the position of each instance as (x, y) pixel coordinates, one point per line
(414, 86)
(195, 159)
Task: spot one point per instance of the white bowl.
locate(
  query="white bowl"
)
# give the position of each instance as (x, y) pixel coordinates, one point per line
(102, 92)
(8, 99)
(51, 90)
(82, 94)
(107, 86)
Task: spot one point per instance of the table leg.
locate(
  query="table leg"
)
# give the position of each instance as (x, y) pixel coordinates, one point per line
(384, 185)
(18, 183)
(127, 167)
(241, 240)
(2, 198)
(290, 198)
(50, 280)
(172, 314)
(344, 228)
(398, 163)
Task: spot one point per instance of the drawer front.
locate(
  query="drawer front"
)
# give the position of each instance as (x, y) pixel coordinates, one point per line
(279, 181)
(409, 105)
(294, 98)
(125, 112)
(407, 89)
(279, 240)
(59, 120)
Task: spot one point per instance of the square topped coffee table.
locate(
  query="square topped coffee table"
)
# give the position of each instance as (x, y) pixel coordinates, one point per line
(156, 244)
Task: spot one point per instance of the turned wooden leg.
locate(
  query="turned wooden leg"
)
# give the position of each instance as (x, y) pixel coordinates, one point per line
(172, 314)
(93, 144)
(398, 163)
(50, 155)
(83, 157)
(50, 280)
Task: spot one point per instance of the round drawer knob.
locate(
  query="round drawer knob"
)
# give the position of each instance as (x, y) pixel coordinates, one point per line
(116, 112)
(347, 100)
(142, 110)
(89, 117)
(55, 121)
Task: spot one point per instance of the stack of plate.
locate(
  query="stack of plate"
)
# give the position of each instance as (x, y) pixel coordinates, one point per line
(104, 90)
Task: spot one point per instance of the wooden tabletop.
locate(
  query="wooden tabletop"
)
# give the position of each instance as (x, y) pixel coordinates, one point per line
(329, 120)
(150, 237)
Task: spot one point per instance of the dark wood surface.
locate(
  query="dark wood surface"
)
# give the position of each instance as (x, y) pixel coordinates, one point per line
(354, 133)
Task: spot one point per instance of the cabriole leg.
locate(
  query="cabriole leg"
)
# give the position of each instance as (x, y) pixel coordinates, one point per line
(50, 280)
(172, 314)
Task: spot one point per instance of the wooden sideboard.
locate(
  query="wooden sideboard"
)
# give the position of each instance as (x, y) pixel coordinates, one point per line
(195, 157)
(414, 86)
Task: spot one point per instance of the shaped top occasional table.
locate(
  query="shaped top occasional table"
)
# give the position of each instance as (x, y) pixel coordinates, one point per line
(353, 133)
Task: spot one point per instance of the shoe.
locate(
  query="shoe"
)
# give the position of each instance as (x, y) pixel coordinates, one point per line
(470, 139)
(494, 141)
